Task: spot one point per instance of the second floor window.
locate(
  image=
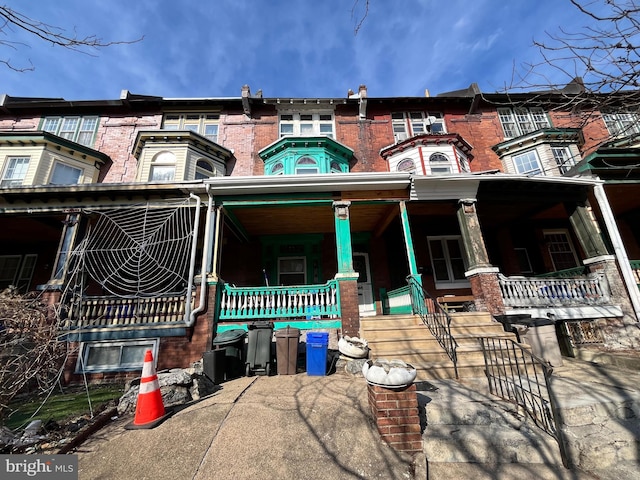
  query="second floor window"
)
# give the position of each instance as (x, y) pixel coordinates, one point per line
(409, 124)
(306, 124)
(78, 129)
(520, 121)
(202, 124)
(15, 172)
(63, 174)
(527, 163)
(621, 124)
(439, 164)
(564, 159)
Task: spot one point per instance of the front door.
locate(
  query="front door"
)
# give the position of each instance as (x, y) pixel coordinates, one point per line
(366, 301)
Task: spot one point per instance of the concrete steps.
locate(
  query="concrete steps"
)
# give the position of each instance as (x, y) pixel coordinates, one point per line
(405, 337)
(470, 434)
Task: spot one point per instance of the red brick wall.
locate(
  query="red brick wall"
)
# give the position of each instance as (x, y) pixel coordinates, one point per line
(350, 314)
(486, 290)
(396, 415)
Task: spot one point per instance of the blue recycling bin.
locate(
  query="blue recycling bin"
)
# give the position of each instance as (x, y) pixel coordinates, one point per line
(317, 344)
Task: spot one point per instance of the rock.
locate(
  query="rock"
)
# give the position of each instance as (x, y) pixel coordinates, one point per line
(175, 395)
(174, 377)
(33, 428)
(201, 387)
(354, 367)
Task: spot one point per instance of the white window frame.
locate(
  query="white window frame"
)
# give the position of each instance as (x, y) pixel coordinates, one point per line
(163, 161)
(563, 158)
(621, 124)
(312, 123)
(79, 129)
(438, 161)
(569, 250)
(10, 169)
(62, 165)
(204, 169)
(85, 352)
(450, 282)
(531, 157)
(203, 124)
(406, 161)
(520, 121)
(281, 272)
(410, 124)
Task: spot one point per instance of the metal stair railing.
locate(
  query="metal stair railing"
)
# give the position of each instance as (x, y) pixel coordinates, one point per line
(436, 319)
(518, 376)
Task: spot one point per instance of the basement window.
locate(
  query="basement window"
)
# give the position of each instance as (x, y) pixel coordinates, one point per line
(113, 356)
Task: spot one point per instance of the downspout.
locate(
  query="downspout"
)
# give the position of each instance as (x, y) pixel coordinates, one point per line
(620, 252)
(189, 315)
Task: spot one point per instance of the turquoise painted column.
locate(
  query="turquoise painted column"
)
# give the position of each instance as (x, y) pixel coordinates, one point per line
(343, 239)
(408, 242)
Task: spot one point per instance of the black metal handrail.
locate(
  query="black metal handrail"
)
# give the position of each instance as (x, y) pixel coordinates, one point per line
(434, 317)
(517, 375)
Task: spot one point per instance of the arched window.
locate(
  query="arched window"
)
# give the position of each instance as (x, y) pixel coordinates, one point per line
(439, 164)
(277, 169)
(335, 167)
(407, 165)
(204, 169)
(306, 165)
(163, 168)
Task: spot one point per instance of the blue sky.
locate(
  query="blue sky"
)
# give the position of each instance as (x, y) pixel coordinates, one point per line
(287, 48)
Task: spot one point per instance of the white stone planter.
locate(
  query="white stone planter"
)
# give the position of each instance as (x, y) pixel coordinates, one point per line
(353, 347)
(388, 373)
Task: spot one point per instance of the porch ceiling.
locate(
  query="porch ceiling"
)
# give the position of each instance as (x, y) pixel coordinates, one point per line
(623, 197)
(311, 219)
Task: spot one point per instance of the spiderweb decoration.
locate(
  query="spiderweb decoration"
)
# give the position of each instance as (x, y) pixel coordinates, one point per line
(140, 251)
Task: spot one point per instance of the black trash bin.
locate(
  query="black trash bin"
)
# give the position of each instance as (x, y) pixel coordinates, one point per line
(232, 342)
(259, 348)
(213, 364)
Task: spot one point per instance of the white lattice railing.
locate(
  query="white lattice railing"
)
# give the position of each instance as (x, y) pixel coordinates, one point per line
(525, 292)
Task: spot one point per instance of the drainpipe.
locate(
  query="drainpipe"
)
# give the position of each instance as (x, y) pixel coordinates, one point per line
(190, 316)
(620, 252)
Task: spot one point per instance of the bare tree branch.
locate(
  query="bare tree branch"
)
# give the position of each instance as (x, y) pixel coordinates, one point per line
(361, 17)
(10, 20)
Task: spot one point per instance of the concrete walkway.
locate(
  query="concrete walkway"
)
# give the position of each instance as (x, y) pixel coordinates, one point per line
(297, 426)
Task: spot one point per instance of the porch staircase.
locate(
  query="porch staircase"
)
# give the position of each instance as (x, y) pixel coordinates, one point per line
(405, 337)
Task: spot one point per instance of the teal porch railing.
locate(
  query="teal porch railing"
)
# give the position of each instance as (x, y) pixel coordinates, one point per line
(295, 301)
(396, 301)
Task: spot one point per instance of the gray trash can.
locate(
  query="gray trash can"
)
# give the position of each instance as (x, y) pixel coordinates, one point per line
(232, 342)
(259, 348)
(287, 341)
(214, 364)
(540, 334)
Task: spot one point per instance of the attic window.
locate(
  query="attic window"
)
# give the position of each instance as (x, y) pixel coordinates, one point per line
(306, 166)
(407, 165)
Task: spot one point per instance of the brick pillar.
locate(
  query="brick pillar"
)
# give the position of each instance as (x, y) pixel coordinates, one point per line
(395, 412)
(619, 333)
(486, 290)
(349, 310)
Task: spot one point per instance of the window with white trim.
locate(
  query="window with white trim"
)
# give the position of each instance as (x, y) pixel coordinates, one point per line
(306, 124)
(406, 165)
(560, 248)
(111, 356)
(306, 165)
(621, 124)
(205, 124)
(292, 270)
(63, 174)
(439, 164)
(527, 163)
(564, 159)
(409, 124)
(78, 129)
(204, 169)
(520, 121)
(447, 261)
(15, 172)
(163, 168)
(17, 270)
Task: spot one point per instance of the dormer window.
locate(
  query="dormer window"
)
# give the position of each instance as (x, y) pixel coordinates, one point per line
(306, 166)
(204, 169)
(63, 174)
(407, 165)
(439, 164)
(277, 169)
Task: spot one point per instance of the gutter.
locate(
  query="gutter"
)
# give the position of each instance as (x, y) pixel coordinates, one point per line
(189, 315)
(620, 252)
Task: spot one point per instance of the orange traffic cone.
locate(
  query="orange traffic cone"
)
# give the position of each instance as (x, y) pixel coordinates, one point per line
(150, 410)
